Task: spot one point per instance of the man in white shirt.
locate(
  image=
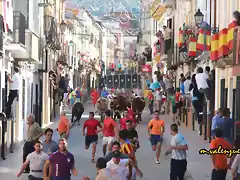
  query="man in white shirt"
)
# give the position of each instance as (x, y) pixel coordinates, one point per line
(118, 167)
(158, 98)
(14, 88)
(178, 149)
(201, 80)
(167, 38)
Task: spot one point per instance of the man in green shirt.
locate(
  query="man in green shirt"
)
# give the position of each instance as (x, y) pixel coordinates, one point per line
(172, 99)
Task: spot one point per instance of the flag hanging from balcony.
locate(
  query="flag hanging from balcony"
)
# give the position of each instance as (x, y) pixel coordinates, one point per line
(223, 43)
(214, 47)
(180, 38)
(192, 47)
(204, 40)
(230, 35)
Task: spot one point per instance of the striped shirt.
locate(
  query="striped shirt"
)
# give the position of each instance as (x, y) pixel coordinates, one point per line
(178, 140)
(127, 148)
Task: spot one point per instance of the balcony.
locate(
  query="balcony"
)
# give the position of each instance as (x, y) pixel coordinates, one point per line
(17, 46)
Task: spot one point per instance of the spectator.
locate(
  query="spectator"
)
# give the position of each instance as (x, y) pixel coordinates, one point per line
(168, 84)
(228, 131)
(201, 80)
(150, 101)
(187, 96)
(220, 165)
(13, 93)
(236, 168)
(49, 146)
(167, 38)
(197, 101)
(158, 99)
(178, 149)
(217, 121)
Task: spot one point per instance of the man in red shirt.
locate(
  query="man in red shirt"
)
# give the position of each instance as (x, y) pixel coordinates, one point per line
(110, 130)
(126, 117)
(92, 133)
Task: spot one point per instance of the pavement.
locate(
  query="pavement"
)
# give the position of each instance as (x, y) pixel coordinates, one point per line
(199, 166)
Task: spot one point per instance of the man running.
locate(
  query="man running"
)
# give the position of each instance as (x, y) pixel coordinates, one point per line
(36, 160)
(110, 130)
(91, 136)
(115, 147)
(49, 146)
(155, 132)
(60, 163)
(132, 134)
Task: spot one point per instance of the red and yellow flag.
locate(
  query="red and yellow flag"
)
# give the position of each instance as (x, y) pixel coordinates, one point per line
(214, 47)
(230, 35)
(204, 40)
(223, 43)
(192, 47)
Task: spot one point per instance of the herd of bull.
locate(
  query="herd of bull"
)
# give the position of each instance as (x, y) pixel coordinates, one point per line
(117, 105)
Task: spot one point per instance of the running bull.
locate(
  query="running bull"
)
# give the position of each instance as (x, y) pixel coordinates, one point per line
(77, 111)
(118, 105)
(138, 105)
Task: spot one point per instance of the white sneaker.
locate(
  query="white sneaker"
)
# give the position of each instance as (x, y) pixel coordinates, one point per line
(157, 162)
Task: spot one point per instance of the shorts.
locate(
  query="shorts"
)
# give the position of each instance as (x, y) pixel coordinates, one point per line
(108, 140)
(63, 135)
(155, 139)
(174, 109)
(89, 139)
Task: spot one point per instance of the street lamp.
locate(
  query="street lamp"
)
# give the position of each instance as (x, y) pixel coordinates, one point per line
(198, 18)
(63, 26)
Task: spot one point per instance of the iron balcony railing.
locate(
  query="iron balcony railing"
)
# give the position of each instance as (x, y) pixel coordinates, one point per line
(18, 27)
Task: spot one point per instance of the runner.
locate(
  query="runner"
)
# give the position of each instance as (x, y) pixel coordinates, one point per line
(115, 147)
(49, 146)
(60, 163)
(91, 136)
(132, 134)
(94, 96)
(63, 126)
(127, 147)
(36, 160)
(155, 132)
(118, 167)
(110, 130)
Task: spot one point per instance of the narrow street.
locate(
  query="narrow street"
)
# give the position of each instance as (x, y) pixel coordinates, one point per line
(198, 166)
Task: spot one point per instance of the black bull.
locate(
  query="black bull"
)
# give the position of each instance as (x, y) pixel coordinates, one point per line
(138, 105)
(77, 111)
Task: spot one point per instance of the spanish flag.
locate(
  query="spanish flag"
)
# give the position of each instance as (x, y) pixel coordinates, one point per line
(180, 38)
(192, 47)
(214, 47)
(230, 35)
(223, 43)
(204, 40)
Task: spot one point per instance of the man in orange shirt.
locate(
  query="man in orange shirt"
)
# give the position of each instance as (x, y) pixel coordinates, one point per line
(155, 132)
(110, 131)
(63, 126)
(220, 165)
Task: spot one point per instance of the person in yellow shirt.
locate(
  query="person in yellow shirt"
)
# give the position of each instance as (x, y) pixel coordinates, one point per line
(155, 132)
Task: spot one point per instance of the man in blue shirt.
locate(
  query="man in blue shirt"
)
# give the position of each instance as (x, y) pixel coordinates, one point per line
(228, 133)
(217, 121)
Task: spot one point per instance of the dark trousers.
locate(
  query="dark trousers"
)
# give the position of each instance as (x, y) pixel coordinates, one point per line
(167, 45)
(27, 149)
(150, 106)
(12, 95)
(219, 174)
(199, 109)
(30, 177)
(177, 169)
